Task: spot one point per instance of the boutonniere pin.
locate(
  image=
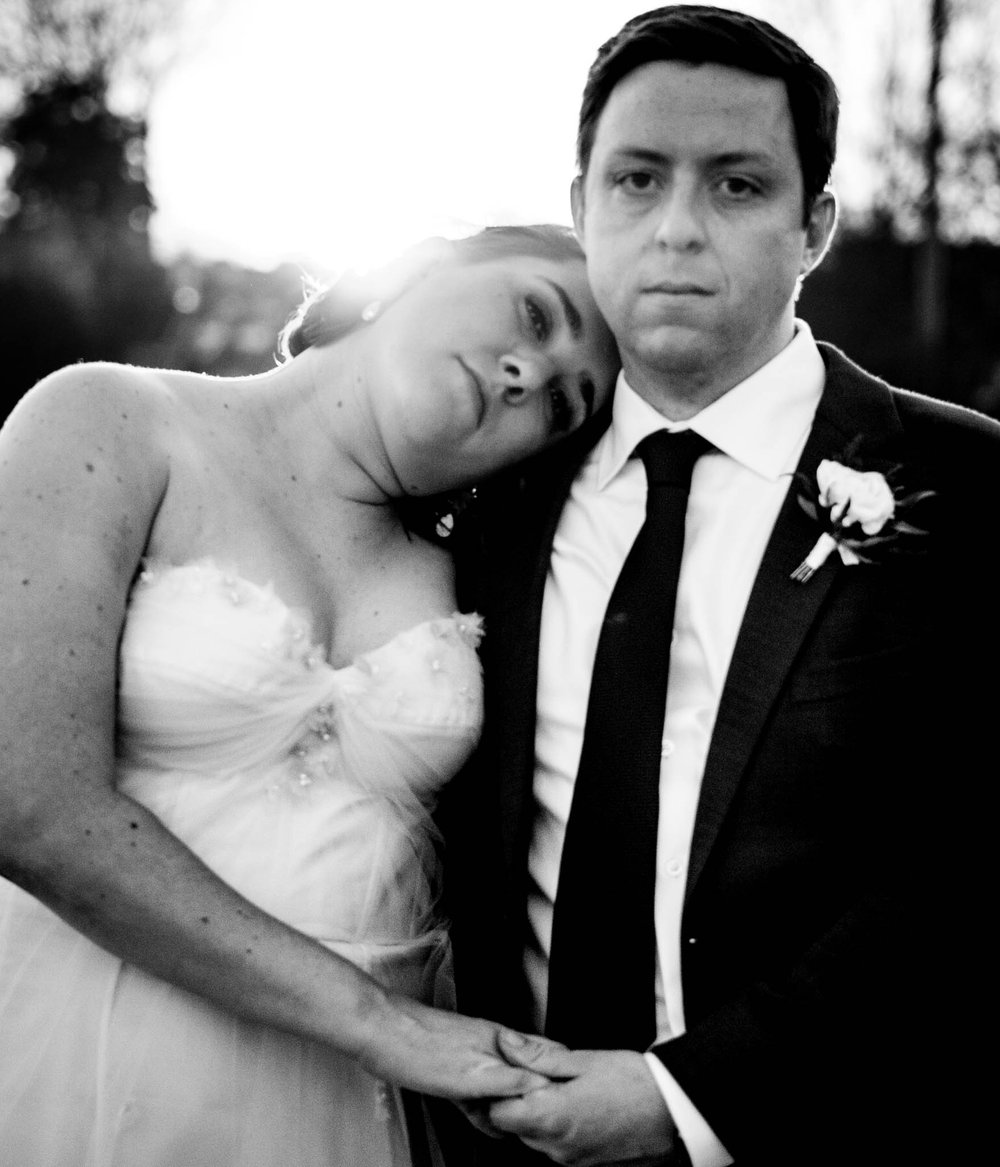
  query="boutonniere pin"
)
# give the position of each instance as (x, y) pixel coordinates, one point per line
(860, 511)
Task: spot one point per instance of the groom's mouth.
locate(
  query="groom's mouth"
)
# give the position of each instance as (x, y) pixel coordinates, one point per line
(677, 288)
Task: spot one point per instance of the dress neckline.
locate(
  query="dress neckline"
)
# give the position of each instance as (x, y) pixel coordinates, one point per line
(468, 625)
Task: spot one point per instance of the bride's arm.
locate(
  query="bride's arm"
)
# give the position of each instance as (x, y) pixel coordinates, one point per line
(83, 472)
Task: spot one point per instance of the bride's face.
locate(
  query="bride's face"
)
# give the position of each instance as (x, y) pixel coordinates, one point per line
(483, 364)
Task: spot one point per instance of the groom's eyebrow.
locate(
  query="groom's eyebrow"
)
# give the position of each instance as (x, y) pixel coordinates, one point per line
(572, 313)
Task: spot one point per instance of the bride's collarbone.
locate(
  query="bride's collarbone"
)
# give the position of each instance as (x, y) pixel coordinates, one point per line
(360, 576)
(374, 597)
(359, 592)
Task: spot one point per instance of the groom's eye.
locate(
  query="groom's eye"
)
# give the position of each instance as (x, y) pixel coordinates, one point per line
(637, 182)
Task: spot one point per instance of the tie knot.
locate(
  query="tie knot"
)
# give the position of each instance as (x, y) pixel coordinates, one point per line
(669, 458)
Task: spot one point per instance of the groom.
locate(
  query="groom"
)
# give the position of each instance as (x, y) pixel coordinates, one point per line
(777, 980)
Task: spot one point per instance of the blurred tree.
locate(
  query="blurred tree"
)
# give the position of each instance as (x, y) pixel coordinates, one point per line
(928, 75)
(933, 149)
(227, 318)
(127, 41)
(76, 271)
(938, 162)
(74, 160)
(937, 158)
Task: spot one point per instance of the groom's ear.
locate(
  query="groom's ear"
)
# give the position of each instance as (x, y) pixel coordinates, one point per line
(820, 227)
(576, 204)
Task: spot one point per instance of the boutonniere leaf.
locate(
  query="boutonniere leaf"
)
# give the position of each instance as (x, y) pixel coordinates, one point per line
(860, 512)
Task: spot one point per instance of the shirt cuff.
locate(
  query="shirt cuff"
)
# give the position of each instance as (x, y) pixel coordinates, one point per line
(703, 1148)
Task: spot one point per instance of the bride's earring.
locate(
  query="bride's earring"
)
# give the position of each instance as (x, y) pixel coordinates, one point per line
(370, 311)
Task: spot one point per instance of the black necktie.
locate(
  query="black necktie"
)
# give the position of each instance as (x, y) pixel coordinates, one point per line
(603, 958)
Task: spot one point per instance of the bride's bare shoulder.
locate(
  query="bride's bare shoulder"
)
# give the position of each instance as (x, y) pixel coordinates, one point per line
(93, 415)
(97, 385)
(95, 401)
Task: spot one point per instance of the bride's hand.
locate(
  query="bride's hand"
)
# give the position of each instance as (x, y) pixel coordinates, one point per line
(445, 1054)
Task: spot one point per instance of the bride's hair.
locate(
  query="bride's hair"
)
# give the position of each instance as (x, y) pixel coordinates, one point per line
(329, 313)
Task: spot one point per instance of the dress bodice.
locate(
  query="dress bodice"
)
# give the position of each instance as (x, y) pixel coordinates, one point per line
(251, 747)
(218, 674)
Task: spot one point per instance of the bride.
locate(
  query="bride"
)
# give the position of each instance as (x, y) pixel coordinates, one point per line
(234, 679)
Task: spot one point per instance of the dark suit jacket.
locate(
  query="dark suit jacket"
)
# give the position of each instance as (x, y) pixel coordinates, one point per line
(831, 900)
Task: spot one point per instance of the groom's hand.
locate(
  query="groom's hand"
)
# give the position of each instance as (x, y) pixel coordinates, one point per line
(477, 1111)
(602, 1107)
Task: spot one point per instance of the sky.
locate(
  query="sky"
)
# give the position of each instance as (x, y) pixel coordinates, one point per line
(335, 133)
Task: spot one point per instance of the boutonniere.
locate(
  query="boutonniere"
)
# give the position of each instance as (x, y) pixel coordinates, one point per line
(861, 512)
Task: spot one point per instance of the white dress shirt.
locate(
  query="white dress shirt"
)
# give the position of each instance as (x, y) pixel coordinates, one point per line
(758, 430)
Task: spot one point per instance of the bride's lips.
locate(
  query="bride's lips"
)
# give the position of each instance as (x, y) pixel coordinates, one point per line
(479, 390)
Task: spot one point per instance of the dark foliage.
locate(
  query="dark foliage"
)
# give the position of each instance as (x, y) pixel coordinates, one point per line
(77, 280)
(863, 299)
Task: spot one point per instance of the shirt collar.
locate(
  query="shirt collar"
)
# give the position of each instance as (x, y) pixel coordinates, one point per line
(761, 423)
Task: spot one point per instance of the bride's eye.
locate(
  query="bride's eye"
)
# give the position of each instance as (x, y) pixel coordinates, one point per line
(538, 317)
(562, 411)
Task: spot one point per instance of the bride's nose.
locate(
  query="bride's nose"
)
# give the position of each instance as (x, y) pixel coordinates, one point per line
(524, 375)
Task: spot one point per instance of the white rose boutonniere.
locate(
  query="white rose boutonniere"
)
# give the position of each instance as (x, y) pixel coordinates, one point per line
(859, 512)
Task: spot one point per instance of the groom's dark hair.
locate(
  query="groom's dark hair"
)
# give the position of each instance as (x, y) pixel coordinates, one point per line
(698, 35)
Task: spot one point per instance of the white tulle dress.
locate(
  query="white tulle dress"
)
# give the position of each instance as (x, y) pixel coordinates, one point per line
(309, 789)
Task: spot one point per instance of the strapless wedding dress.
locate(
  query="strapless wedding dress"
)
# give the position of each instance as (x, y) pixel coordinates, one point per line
(307, 788)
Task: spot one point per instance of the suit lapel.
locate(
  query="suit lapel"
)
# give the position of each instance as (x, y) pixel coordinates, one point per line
(518, 588)
(780, 611)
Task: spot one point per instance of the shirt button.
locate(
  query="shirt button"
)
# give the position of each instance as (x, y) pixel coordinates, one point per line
(667, 748)
(675, 867)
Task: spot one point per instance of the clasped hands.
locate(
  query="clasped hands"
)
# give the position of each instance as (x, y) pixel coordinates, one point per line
(579, 1107)
(596, 1107)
